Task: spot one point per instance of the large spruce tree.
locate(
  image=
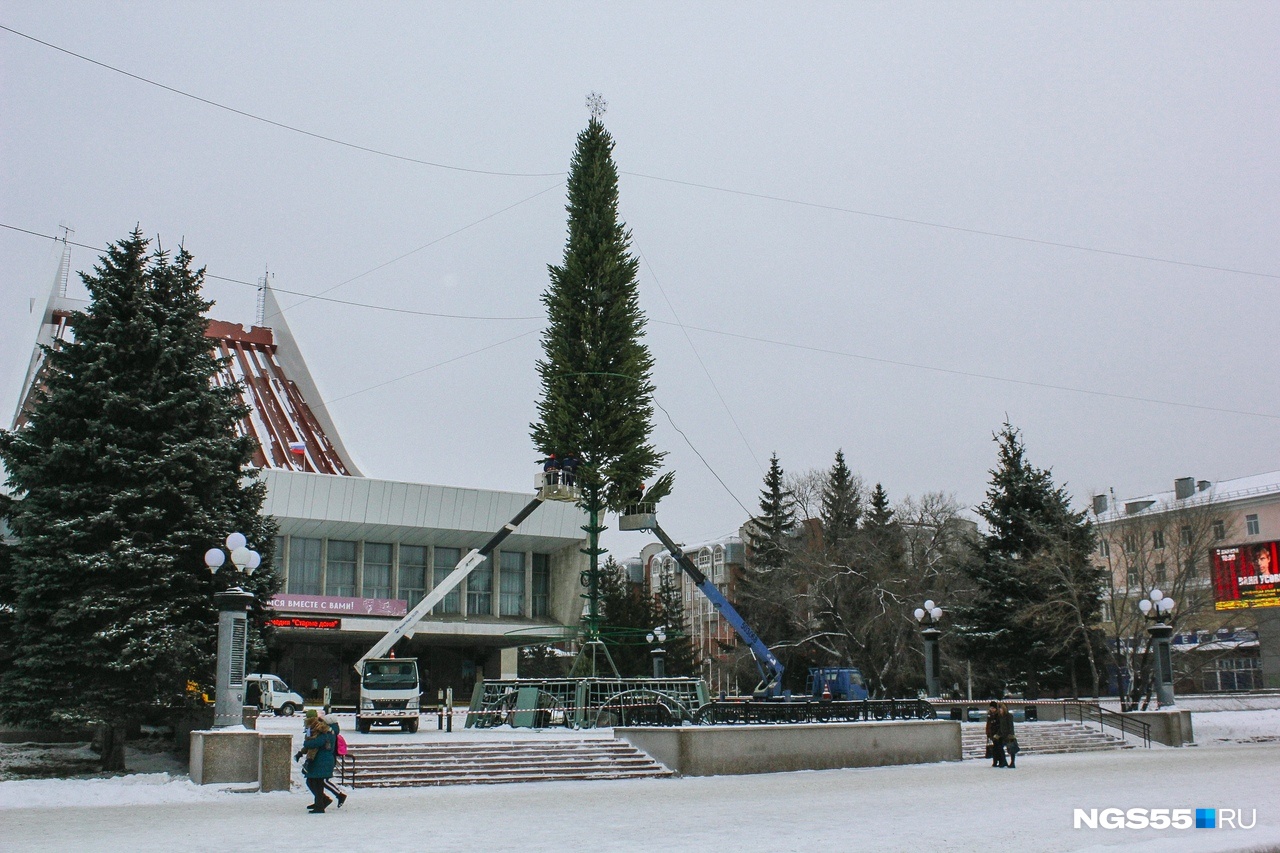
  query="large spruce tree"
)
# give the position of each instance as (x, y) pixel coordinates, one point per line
(597, 397)
(1028, 518)
(128, 469)
(771, 589)
(841, 505)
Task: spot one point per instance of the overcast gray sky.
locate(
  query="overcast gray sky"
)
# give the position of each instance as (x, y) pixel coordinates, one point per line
(876, 311)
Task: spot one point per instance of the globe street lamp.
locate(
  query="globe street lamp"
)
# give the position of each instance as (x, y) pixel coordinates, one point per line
(1157, 608)
(928, 617)
(658, 635)
(233, 630)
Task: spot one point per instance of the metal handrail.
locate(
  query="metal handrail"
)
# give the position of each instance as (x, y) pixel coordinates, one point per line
(1084, 712)
(342, 769)
(1106, 717)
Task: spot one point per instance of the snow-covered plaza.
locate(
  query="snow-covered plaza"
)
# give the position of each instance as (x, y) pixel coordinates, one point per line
(953, 806)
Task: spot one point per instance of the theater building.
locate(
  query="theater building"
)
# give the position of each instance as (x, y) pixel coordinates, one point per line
(356, 552)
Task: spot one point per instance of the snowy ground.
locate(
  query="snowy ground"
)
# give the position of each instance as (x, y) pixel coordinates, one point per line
(952, 806)
(1218, 727)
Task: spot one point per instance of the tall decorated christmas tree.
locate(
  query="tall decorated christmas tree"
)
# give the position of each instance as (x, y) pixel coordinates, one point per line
(597, 396)
(128, 469)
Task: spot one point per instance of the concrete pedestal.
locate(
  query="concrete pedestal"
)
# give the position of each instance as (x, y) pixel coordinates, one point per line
(223, 756)
(732, 750)
(1171, 727)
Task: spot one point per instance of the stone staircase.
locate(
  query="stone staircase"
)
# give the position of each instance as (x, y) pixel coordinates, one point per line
(486, 762)
(1043, 739)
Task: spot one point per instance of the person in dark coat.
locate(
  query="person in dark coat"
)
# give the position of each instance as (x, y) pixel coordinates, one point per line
(993, 736)
(328, 783)
(551, 468)
(1008, 740)
(319, 747)
(570, 467)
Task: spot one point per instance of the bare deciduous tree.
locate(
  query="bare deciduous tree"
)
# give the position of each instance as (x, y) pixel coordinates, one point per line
(1161, 548)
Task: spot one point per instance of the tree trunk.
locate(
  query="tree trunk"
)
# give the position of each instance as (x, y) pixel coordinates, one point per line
(111, 736)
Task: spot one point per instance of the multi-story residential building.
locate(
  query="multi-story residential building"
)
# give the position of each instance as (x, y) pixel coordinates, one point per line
(1201, 543)
(355, 552)
(714, 639)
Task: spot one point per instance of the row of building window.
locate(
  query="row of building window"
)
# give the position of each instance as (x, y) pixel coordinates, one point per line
(347, 569)
(1252, 528)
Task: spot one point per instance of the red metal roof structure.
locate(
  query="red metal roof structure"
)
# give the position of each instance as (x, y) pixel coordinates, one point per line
(292, 434)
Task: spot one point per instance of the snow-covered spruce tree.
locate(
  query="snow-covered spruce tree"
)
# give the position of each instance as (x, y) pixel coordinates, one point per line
(597, 396)
(630, 617)
(841, 505)
(770, 593)
(1006, 629)
(681, 659)
(129, 468)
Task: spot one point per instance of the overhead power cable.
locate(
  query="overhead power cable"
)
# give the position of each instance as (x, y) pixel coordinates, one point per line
(698, 453)
(280, 124)
(694, 184)
(975, 375)
(757, 339)
(958, 228)
(424, 246)
(434, 366)
(688, 339)
(316, 297)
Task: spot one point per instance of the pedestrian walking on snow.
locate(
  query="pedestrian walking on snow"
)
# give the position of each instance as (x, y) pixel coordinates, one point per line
(320, 750)
(993, 735)
(1008, 740)
(338, 751)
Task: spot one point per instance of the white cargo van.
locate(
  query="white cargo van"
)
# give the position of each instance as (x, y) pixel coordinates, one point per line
(270, 691)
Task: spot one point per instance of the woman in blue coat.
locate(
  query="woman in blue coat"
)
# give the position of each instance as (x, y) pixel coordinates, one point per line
(320, 749)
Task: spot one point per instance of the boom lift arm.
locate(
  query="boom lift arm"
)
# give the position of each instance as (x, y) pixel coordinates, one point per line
(771, 680)
(406, 626)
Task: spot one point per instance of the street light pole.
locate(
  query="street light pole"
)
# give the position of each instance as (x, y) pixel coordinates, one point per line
(1157, 608)
(233, 632)
(659, 635)
(928, 617)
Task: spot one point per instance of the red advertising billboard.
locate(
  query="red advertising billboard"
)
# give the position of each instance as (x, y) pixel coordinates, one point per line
(1246, 576)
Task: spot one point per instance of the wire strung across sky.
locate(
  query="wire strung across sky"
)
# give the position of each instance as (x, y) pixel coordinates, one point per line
(693, 184)
(875, 359)
(424, 246)
(309, 296)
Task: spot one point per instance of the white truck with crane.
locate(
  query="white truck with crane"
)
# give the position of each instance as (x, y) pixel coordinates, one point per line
(390, 689)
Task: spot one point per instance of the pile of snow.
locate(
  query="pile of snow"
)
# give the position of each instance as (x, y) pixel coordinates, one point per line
(130, 790)
(1216, 727)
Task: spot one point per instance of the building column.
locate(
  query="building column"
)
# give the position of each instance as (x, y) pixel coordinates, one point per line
(1269, 645)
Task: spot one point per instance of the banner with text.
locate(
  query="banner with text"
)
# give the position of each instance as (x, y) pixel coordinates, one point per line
(289, 603)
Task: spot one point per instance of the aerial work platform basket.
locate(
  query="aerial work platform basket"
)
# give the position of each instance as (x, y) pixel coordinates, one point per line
(638, 517)
(551, 487)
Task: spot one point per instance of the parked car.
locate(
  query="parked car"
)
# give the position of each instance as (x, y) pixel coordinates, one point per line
(270, 692)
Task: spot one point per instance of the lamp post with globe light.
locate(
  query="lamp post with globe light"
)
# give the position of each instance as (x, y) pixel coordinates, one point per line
(233, 630)
(929, 616)
(1157, 607)
(658, 635)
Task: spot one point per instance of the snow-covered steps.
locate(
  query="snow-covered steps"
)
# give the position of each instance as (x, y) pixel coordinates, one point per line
(492, 761)
(1043, 739)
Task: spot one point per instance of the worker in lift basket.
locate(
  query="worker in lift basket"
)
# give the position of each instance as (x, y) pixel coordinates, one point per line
(551, 468)
(570, 467)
